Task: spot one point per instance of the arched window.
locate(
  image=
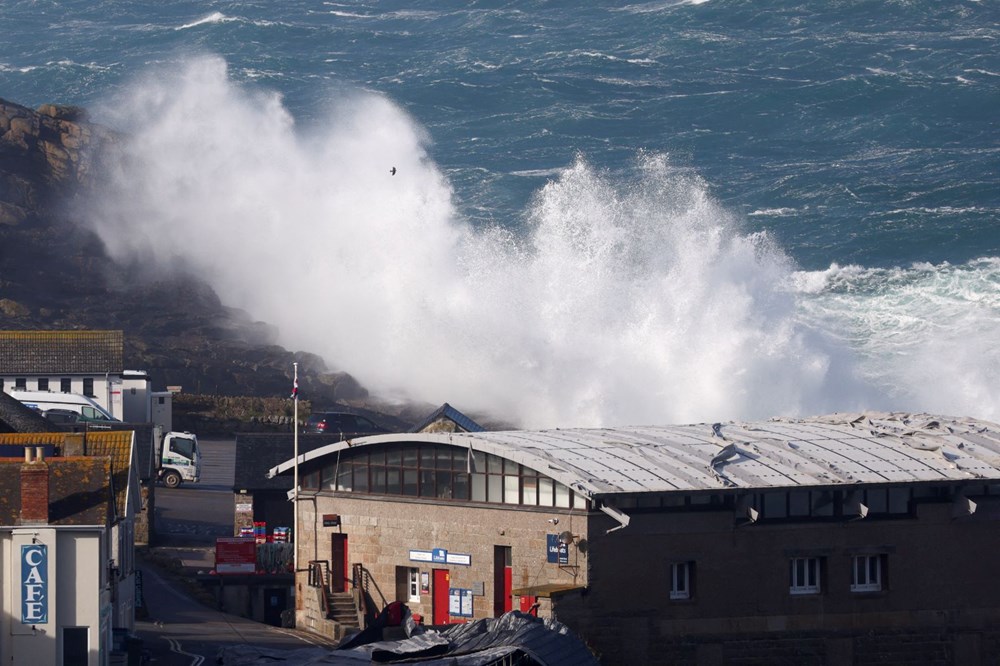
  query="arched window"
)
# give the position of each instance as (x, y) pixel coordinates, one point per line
(441, 472)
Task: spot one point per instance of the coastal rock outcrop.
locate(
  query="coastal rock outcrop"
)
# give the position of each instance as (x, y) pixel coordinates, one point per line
(56, 274)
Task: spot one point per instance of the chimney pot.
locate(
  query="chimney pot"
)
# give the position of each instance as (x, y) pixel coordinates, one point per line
(29, 454)
(40, 453)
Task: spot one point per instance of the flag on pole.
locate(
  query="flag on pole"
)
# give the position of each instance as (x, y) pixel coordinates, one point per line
(295, 386)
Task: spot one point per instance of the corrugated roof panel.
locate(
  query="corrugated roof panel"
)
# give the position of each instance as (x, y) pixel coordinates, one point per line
(824, 450)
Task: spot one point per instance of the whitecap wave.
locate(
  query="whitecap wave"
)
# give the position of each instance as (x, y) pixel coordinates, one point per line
(214, 17)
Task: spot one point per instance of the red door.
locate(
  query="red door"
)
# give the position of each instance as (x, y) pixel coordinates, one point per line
(338, 563)
(440, 596)
(503, 574)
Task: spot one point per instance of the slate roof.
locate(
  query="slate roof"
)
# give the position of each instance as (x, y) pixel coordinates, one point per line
(78, 491)
(837, 449)
(257, 453)
(61, 352)
(16, 417)
(115, 446)
(446, 411)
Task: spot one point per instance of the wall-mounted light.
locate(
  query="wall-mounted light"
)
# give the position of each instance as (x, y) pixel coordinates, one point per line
(554, 521)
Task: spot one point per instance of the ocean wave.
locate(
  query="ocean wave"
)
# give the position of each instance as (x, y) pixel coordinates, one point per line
(656, 7)
(214, 17)
(774, 212)
(925, 334)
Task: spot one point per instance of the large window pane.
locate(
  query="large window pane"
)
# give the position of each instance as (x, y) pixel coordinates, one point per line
(478, 487)
(361, 478)
(393, 456)
(378, 479)
(511, 467)
(798, 503)
(494, 488)
(345, 476)
(410, 485)
(427, 455)
(494, 464)
(443, 458)
(899, 500)
(823, 503)
(546, 495)
(775, 505)
(444, 489)
(478, 461)
(427, 483)
(529, 489)
(511, 488)
(393, 476)
(460, 489)
(877, 500)
(311, 480)
(562, 495)
(410, 456)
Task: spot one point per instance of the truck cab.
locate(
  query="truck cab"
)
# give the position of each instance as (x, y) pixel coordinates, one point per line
(180, 459)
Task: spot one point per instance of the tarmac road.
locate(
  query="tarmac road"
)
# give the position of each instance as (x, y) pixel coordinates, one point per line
(181, 631)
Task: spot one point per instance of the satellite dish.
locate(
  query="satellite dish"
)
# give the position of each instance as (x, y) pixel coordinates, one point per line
(566, 537)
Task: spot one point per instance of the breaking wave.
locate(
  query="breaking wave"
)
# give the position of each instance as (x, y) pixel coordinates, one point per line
(625, 300)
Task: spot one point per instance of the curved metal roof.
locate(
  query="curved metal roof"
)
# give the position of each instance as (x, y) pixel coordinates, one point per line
(780, 453)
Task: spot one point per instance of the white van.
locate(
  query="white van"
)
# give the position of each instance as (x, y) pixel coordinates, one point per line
(43, 401)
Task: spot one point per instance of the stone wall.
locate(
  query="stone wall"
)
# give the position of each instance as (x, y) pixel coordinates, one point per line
(381, 535)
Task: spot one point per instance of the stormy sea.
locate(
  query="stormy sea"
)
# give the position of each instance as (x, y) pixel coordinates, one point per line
(564, 213)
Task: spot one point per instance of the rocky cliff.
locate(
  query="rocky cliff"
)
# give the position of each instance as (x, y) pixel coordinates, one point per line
(55, 274)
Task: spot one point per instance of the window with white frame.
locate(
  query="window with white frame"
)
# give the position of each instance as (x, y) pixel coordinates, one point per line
(414, 585)
(680, 580)
(867, 576)
(804, 575)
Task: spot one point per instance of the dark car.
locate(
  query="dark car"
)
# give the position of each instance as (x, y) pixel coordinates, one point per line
(61, 415)
(343, 425)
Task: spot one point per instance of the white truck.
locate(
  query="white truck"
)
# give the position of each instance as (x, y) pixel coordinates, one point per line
(178, 457)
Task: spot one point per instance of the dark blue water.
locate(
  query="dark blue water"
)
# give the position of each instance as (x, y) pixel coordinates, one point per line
(853, 146)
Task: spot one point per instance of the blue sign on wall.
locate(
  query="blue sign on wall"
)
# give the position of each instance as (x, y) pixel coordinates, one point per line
(34, 584)
(558, 553)
(439, 555)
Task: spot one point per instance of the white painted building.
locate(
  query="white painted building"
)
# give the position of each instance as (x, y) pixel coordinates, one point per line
(85, 362)
(67, 511)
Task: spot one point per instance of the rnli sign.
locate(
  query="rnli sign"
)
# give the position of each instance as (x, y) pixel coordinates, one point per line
(34, 584)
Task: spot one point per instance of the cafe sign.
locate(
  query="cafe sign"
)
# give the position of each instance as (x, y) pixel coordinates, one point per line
(34, 584)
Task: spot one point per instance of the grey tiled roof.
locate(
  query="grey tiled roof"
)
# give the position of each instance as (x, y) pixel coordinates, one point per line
(15, 417)
(55, 352)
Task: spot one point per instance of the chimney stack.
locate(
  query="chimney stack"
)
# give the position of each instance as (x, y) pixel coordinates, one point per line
(34, 491)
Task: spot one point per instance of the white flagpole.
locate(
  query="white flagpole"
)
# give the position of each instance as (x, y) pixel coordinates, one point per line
(295, 491)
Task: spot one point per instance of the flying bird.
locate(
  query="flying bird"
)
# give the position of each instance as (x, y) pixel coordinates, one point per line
(392, 171)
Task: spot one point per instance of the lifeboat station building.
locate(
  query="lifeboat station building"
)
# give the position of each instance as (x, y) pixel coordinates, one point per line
(841, 539)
